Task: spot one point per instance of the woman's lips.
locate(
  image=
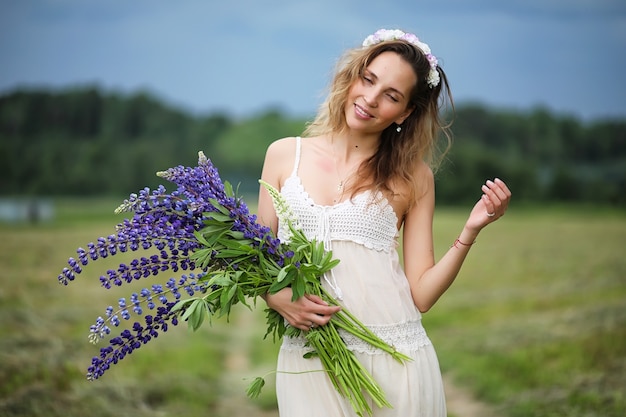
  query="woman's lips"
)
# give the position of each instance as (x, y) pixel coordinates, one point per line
(360, 112)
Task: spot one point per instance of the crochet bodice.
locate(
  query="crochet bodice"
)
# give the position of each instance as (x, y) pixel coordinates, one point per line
(367, 219)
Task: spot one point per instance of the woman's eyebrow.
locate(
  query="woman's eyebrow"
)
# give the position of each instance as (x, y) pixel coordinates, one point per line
(371, 74)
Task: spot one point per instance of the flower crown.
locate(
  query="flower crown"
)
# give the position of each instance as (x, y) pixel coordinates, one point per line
(384, 35)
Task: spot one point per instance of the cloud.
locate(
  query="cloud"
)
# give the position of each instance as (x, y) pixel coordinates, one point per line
(243, 55)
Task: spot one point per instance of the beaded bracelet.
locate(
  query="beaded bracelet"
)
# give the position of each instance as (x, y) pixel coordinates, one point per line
(457, 241)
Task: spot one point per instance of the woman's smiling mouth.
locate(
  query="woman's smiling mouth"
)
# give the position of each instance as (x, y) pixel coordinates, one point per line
(361, 112)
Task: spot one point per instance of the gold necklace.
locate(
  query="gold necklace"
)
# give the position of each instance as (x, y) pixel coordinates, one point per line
(341, 183)
(343, 179)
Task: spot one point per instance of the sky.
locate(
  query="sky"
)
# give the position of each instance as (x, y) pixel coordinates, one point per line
(242, 57)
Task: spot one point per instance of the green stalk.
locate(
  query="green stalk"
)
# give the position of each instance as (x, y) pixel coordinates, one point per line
(353, 378)
(346, 321)
(368, 337)
(347, 386)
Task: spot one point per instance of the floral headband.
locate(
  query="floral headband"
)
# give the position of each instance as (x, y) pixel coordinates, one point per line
(383, 35)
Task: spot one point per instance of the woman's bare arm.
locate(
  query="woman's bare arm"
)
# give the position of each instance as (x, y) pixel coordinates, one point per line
(429, 280)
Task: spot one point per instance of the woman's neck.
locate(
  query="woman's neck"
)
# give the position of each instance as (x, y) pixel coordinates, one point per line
(349, 147)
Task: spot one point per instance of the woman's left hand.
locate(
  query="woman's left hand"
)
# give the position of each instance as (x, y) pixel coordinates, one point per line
(491, 206)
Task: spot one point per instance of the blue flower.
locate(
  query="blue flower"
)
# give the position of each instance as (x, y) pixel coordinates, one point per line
(165, 222)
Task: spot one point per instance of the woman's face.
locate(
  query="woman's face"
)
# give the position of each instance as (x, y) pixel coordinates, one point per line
(381, 96)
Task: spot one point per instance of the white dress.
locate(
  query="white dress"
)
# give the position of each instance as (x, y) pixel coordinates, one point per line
(373, 286)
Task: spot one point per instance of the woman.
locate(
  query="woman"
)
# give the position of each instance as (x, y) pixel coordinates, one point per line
(363, 172)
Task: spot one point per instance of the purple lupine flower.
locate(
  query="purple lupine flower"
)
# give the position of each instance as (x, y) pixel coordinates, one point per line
(167, 223)
(191, 283)
(128, 341)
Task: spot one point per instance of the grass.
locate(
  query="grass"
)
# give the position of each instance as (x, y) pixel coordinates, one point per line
(535, 324)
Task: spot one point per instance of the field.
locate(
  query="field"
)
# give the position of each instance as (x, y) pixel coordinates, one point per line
(535, 324)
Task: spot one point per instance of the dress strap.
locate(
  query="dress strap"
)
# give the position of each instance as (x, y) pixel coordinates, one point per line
(297, 160)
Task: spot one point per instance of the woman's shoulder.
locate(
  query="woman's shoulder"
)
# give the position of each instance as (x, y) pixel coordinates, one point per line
(287, 145)
(281, 147)
(423, 172)
(407, 192)
(420, 177)
(283, 142)
(423, 182)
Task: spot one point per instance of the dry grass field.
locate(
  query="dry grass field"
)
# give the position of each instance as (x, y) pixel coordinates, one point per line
(535, 324)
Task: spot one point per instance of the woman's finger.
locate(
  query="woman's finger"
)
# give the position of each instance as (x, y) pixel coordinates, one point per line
(316, 299)
(489, 206)
(319, 306)
(497, 190)
(503, 185)
(492, 198)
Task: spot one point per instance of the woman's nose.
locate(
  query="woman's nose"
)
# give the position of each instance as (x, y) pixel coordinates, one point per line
(370, 100)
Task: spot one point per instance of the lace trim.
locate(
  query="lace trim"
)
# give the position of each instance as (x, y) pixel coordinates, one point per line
(360, 220)
(368, 219)
(405, 337)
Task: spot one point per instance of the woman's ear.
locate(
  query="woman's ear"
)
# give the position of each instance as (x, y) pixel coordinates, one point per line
(404, 115)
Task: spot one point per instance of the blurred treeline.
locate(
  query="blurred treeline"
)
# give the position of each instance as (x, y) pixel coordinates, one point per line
(85, 141)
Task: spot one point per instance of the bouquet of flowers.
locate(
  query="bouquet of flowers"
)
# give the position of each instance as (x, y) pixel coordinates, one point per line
(205, 232)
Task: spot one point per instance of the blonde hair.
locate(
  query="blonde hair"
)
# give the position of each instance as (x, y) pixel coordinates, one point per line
(424, 137)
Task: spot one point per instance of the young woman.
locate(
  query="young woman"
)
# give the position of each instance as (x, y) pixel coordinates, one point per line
(363, 172)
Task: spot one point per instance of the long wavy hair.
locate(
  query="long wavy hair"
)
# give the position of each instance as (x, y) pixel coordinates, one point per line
(424, 136)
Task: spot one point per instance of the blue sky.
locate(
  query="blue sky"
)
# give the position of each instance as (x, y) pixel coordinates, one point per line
(241, 56)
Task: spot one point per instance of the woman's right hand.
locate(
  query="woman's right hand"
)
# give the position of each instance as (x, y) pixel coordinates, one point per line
(304, 313)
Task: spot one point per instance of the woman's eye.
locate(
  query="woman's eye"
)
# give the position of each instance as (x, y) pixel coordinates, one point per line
(392, 97)
(367, 80)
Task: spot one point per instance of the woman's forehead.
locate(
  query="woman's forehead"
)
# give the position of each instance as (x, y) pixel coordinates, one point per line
(389, 67)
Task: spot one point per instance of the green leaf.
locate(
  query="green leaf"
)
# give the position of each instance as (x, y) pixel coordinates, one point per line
(212, 228)
(218, 206)
(214, 297)
(254, 389)
(196, 312)
(197, 317)
(298, 288)
(279, 285)
(232, 292)
(242, 298)
(301, 247)
(221, 279)
(327, 257)
(222, 217)
(282, 273)
(180, 305)
(200, 237)
(236, 235)
(309, 355)
(190, 308)
(292, 331)
(228, 189)
(229, 253)
(201, 257)
(226, 299)
(333, 263)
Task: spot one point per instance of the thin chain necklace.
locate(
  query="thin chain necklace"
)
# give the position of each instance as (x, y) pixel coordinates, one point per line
(339, 192)
(340, 185)
(343, 179)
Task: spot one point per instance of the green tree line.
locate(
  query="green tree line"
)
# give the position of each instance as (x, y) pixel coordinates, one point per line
(86, 141)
